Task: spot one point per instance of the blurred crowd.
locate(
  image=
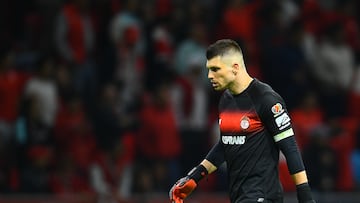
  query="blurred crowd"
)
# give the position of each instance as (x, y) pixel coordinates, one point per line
(111, 98)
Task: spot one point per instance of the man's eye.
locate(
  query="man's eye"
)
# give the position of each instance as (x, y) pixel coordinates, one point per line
(214, 69)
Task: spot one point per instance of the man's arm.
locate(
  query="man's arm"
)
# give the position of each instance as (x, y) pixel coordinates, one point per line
(300, 177)
(296, 168)
(183, 187)
(212, 161)
(274, 114)
(214, 158)
(289, 148)
(209, 166)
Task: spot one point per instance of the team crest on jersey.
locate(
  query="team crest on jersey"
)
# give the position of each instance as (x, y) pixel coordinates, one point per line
(245, 123)
(277, 108)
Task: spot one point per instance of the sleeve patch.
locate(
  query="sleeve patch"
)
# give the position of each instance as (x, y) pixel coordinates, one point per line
(277, 109)
(282, 121)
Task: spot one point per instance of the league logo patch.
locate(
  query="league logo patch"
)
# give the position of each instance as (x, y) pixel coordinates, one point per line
(245, 123)
(277, 108)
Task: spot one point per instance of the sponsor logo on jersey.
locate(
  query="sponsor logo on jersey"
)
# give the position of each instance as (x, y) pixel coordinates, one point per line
(245, 123)
(282, 121)
(233, 140)
(277, 109)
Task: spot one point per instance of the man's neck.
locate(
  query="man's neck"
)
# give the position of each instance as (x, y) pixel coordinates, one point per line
(240, 84)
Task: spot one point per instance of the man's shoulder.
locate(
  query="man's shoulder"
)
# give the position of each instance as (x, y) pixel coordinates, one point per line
(260, 89)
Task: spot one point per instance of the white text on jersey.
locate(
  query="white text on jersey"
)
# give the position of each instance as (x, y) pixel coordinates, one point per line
(233, 140)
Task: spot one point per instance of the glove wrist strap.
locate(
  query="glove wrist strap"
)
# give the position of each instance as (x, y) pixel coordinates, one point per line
(197, 173)
(304, 193)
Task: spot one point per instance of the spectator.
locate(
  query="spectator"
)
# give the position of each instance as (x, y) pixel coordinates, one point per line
(191, 109)
(271, 35)
(333, 70)
(354, 99)
(42, 89)
(282, 52)
(75, 41)
(127, 40)
(73, 132)
(75, 32)
(193, 46)
(35, 178)
(321, 160)
(306, 117)
(158, 141)
(35, 147)
(112, 172)
(240, 20)
(9, 172)
(355, 161)
(64, 83)
(343, 142)
(65, 179)
(30, 128)
(11, 87)
(106, 121)
(39, 107)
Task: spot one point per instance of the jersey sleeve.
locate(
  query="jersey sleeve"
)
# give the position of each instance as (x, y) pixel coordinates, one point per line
(277, 121)
(275, 117)
(216, 155)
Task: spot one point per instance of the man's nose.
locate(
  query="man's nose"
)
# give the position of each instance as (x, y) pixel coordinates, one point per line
(210, 76)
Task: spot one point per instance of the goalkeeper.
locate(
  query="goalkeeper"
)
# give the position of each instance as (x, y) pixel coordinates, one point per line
(254, 127)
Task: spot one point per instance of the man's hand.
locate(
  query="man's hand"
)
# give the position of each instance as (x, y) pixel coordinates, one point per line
(182, 189)
(187, 184)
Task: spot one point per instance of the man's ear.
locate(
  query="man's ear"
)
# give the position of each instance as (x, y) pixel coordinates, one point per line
(235, 68)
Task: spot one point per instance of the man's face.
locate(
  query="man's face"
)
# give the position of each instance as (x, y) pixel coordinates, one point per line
(220, 73)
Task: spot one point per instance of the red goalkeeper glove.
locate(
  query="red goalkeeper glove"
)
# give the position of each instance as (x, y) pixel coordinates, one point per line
(186, 185)
(182, 189)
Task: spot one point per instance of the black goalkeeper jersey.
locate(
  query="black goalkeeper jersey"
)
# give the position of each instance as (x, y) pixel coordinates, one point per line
(251, 123)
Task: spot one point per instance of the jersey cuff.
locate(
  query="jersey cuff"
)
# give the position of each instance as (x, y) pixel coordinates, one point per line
(287, 133)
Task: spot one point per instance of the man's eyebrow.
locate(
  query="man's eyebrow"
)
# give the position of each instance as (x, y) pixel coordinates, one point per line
(213, 67)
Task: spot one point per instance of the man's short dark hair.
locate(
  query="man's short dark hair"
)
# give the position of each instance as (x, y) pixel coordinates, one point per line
(221, 47)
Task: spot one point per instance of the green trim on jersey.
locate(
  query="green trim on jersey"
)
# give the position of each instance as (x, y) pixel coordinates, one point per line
(283, 135)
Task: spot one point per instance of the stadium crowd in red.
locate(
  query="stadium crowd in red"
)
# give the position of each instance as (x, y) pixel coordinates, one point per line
(110, 98)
